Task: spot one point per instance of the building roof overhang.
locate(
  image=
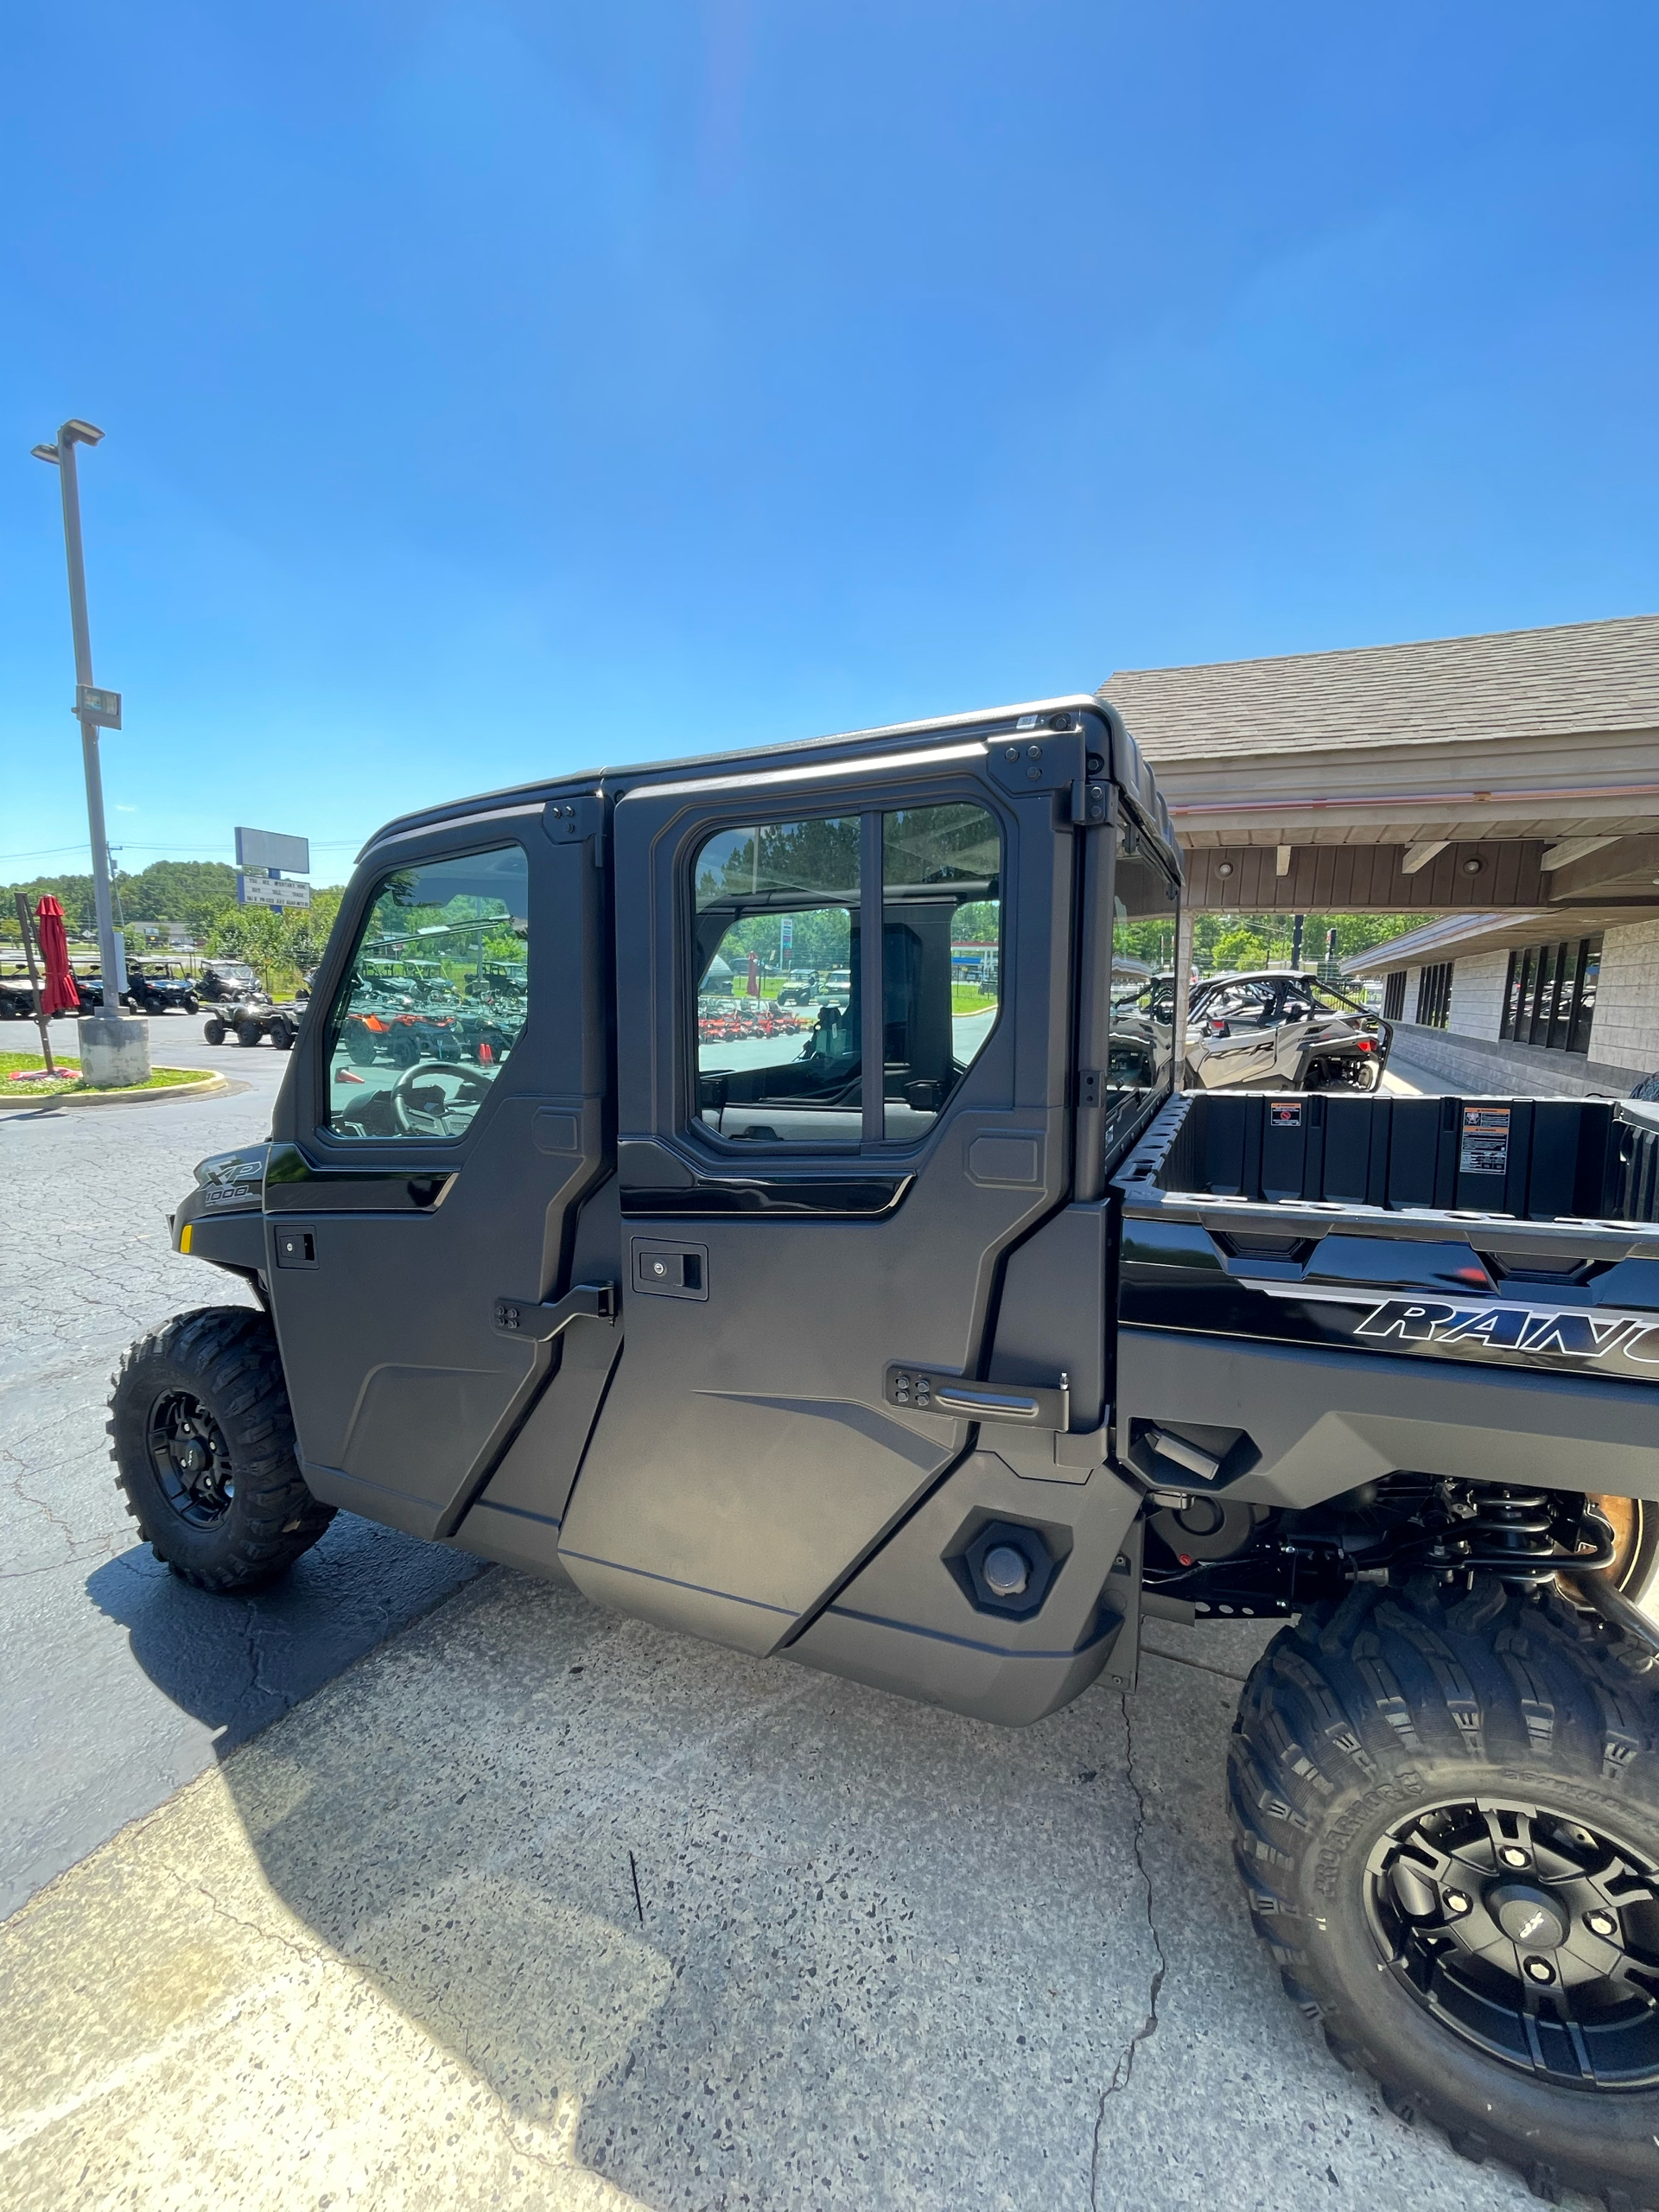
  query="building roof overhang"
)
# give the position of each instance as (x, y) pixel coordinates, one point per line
(1463, 935)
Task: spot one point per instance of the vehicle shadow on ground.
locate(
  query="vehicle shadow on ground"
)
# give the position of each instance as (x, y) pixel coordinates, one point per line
(235, 1664)
(753, 1935)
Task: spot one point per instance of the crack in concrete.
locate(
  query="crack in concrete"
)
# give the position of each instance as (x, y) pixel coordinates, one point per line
(1123, 2072)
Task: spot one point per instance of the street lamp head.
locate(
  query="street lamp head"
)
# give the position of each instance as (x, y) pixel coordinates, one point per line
(79, 432)
(46, 453)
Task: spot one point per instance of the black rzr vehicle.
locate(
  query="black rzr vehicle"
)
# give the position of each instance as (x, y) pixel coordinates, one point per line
(938, 1346)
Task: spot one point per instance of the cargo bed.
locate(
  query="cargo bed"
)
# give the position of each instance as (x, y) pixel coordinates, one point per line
(1315, 1292)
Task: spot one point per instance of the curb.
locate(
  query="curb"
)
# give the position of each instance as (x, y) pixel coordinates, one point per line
(211, 1083)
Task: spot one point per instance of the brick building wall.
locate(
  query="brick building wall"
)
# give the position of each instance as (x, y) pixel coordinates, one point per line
(1626, 1027)
(1624, 1037)
(1477, 994)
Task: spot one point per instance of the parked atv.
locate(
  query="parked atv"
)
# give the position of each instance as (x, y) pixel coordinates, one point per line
(252, 1020)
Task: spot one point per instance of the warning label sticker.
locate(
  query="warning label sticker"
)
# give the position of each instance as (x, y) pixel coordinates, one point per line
(1286, 1114)
(1485, 1140)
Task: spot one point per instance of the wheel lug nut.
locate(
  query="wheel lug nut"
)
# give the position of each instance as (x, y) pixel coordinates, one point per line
(1456, 1901)
(1539, 1970)
(1512, 1855)
(1601, 1924)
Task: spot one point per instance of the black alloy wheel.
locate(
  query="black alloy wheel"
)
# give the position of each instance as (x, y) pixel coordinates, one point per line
(191, 1459)
(1446, 1810)
(1528, 1934)
(203, 1445)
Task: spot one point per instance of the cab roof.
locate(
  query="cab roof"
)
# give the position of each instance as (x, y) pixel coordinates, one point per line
(1128, 766)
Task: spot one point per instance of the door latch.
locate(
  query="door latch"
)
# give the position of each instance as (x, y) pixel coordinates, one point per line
(924, 1390)
(539, 1323)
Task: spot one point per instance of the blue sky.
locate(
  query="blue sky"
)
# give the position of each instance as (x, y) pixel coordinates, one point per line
(494, 388)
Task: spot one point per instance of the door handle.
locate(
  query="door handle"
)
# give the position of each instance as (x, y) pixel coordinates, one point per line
(540, 1324)
(1030, 1405)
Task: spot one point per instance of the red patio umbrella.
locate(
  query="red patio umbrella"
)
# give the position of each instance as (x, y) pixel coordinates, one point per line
(58, 993)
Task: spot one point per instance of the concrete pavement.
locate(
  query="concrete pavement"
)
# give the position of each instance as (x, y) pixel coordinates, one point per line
(536, 1908)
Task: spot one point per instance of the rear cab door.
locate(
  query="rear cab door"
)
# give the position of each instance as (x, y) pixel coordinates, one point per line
(821, 1208)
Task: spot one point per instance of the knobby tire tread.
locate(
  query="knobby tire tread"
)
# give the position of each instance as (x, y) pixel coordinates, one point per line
(1361, 1691)
(229, 1353)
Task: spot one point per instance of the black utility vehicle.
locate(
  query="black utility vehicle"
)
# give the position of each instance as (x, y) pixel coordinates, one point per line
(223, 981)
(938, 1349)
(161, 987)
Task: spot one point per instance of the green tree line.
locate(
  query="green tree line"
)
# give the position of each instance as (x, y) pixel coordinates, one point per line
(1246, 941)
(280, 943)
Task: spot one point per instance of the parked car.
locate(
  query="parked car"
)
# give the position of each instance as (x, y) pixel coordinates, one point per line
(161, 987)
(1283, 1028)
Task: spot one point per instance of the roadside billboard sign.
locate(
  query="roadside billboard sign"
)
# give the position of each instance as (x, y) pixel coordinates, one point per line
(255, 888)
(261, 851)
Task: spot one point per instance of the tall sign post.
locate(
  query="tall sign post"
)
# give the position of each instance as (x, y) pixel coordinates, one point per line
(114, 1051)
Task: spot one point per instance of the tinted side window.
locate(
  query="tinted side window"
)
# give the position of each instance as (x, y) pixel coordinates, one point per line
(778, 930)
(435, 998)
(941, 955)
(1144, 910)
(776, 961)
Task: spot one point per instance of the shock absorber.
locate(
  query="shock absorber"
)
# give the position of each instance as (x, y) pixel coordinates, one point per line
(1517, 1534)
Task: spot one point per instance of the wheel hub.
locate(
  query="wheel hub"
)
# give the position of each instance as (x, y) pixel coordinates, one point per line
(1528, 1915)
(1528, 1934)
(191, 1458)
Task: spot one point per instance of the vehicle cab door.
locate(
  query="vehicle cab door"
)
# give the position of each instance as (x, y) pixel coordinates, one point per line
(817, 1201)
(444, 1117)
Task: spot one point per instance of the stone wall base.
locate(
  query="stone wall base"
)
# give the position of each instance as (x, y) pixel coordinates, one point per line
(1485, 1069)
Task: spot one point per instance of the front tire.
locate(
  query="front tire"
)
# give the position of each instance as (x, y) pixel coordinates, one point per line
(203, 1445)
(1445, 1812)
(248, 1032)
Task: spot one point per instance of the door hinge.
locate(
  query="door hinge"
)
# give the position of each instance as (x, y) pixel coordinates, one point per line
(1093, 803)
(569, 821)
(540, 1324)
(1090, 1086)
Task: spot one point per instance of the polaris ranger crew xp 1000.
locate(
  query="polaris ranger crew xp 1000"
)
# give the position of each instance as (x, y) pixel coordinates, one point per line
(928, 1335)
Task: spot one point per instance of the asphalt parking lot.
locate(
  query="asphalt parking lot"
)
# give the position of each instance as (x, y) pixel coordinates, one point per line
(477, 1896)
(116, 1681)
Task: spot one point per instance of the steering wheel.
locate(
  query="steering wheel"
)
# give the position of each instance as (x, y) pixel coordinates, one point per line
(471, 1088)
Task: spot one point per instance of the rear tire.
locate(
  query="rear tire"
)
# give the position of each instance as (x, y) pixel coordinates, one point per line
(203, 1445)
(282, 1036)
(214, 1031)
(1388, 1749)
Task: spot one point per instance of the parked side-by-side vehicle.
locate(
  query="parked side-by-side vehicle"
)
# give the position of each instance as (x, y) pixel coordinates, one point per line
(933, 1337)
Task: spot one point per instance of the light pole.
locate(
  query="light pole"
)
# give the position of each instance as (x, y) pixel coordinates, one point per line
(95, 710)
